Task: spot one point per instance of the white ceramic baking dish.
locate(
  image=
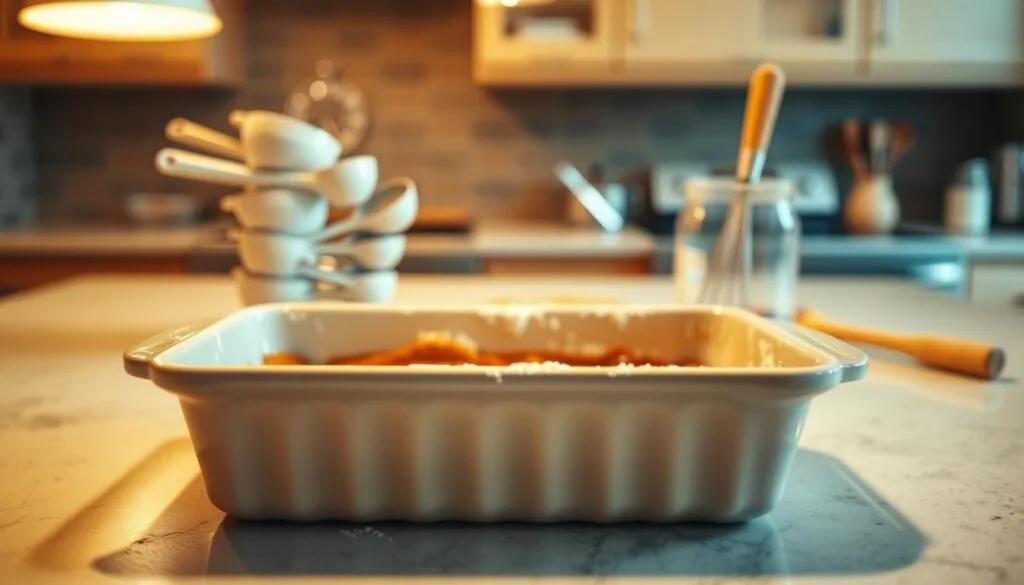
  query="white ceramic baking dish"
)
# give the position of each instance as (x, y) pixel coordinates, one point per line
(536, 443)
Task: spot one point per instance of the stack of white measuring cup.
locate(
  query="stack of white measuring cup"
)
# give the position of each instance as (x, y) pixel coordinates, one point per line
(291, 178)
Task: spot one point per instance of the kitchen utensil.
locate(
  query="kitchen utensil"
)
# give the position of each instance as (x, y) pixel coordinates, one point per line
(729, 269)
(589, 197)
(278, 254)
(708, 444)
(956, 355)
(347, 183)
(872, 207)
(880, 137)
(285, 142)
(366, 287)
(377, 286)
(851, 141)
(774, 234)
(279, 210)
(902, 142)
(968, 205)
(256, 289)
(392, 209)
(332, 103)
(615, 194)
(189, 133)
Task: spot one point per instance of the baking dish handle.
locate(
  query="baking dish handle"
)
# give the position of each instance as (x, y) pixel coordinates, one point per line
(138, 357)
(853, 361)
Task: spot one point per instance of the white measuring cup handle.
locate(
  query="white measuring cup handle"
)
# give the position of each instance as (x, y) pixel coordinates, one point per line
(175, 162)
(324, 275)
(349, 224)
(341, 227)
(195, 135)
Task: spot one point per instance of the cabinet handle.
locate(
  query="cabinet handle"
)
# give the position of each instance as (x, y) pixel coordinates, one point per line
(641, 20)
(886, 18)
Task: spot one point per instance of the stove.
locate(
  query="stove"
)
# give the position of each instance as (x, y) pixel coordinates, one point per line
(929, 259)
(816, 200)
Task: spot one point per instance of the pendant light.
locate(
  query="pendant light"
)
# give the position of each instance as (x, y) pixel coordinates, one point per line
(122, 20)
(515, 3)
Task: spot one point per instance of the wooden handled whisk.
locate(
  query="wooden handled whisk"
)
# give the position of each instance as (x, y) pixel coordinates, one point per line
(728, 271)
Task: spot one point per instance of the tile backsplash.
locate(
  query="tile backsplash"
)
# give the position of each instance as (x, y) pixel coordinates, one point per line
(17, 173)
(490, 150)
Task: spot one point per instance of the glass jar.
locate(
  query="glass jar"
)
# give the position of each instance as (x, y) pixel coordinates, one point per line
(775, 242)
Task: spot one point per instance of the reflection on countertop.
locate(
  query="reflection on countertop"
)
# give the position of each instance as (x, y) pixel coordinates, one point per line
(494, 239)
(94, 239)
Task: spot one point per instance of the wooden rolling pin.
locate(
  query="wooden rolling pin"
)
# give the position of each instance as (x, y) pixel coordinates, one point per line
(946, 353)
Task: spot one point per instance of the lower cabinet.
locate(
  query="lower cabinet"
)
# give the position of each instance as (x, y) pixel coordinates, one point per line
(997, 284)
(23, 272)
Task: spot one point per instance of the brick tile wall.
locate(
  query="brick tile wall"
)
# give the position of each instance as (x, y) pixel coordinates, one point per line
(491, 150)
(17, 173)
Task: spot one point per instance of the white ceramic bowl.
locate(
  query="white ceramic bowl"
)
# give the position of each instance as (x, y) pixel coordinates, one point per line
(353, 181)
(254, 289)
(279, 142)
(291, 211)
(280, 254)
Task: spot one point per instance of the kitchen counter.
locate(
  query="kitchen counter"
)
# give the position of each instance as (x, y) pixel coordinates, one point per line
(69, 240)
(908, 476)
(840, 246)
(998, 247)
(494, 239)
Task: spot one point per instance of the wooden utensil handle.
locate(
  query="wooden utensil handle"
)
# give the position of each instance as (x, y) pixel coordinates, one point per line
(764, 96)
(963, 356)
(960, 355)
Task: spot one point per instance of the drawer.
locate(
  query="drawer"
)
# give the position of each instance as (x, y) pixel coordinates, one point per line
(999, 285)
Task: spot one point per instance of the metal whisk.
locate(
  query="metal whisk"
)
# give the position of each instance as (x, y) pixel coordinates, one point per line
(728, 271)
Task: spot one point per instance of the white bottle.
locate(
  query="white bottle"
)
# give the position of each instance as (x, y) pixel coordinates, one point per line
(968, 205)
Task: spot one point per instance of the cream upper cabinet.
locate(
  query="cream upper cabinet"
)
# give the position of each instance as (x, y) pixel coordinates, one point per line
(676, 32)
(946, 31)
(826, 32)
(721, 40)
(530, 38)
(715, 31)
(689, 42)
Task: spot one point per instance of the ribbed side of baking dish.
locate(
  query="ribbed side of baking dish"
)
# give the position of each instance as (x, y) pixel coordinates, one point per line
(695, 458)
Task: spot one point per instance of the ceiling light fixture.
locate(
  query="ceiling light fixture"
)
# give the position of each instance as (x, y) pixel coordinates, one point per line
(122, 20)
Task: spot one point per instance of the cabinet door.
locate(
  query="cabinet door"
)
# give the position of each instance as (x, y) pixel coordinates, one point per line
(947, 32)
(558, 33)
(684, 32)
(825, 32)
(723, 39)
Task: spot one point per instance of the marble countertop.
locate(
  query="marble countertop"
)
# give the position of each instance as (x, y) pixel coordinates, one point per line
(909, 476)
